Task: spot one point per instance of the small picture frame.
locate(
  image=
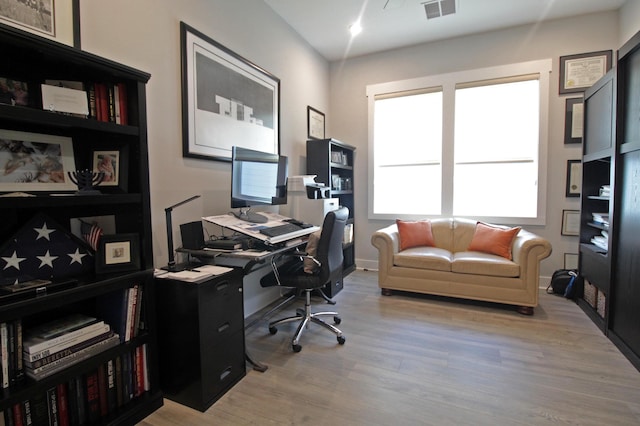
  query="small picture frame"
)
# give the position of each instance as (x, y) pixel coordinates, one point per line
(14, 92)
(107, 162)
(571, 261)
(118, 253)
(315, 123)
(578, 72)
(574, 178)
(570, 223)
(573, 120)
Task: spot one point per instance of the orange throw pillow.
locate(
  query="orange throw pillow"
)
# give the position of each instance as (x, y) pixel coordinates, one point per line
(493, 240)
(414, 233)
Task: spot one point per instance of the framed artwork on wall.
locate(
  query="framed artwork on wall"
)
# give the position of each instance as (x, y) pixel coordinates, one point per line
(577, 72)
(315, 123)
(573, 120)
(118, 253)
(226, 100)
(57, 20)
(574, 178)
(570, 222)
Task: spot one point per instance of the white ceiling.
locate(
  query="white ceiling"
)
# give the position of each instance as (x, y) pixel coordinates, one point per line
(389, 24)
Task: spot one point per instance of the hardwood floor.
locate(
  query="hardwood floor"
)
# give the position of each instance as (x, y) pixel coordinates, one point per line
(417, 360)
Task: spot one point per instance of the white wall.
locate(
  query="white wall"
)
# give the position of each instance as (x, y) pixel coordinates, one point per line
(145, 34)
(629, 20)
(524, 43)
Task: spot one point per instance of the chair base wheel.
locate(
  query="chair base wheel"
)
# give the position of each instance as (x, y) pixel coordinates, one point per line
(337, 320)
(273, 330)
(296, 348)
(341, 340)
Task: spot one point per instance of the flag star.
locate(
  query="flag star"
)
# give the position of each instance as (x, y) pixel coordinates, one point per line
(14, 261)
(47, 259)
(76, 257)
(43, 232)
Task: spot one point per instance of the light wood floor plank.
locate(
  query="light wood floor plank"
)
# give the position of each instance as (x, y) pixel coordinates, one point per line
(419, 360)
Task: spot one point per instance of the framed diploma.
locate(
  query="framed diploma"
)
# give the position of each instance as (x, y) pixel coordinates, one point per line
(573, 120)
(315, 123)
(577, 72)
(570, 222)
(574, 178)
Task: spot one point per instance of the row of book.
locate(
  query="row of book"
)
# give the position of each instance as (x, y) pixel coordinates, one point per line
(601, 241)
(48, 348)
(86, 399)
(100, 101)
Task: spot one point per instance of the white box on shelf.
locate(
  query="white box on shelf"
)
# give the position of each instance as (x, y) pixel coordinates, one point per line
(310, 210)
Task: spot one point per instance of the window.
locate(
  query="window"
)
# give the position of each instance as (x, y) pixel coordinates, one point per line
(463, 144)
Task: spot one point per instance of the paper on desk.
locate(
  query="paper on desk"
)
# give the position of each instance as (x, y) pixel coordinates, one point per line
(213, 269)
(253, 229)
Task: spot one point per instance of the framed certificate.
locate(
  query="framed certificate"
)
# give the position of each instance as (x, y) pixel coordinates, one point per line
(315, 123)
(577, 72)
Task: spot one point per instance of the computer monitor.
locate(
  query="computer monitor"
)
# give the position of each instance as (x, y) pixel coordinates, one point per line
(257, 178)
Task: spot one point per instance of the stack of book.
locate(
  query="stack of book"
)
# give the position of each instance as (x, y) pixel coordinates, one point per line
(601, 241)
(601, 219)
(51, 347)
(605, 191)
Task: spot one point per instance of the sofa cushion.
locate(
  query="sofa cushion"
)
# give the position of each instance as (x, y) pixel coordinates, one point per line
(477, 263)
(414, 234)
(493, 240)
(432, 258)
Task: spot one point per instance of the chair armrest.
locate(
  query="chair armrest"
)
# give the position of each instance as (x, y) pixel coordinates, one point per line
(386, 240)
(529, 249)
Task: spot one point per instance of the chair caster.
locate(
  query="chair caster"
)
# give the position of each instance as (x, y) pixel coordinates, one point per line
(341, 340)
(273, 330)
(296, 348)
(337, 320)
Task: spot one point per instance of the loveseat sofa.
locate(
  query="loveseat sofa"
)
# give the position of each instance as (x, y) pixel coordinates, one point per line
(450, 268)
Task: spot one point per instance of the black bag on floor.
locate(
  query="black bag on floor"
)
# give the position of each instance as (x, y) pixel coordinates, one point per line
(564, 282)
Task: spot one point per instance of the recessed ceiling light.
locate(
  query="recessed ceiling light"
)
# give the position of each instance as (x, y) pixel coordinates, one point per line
(355, 28)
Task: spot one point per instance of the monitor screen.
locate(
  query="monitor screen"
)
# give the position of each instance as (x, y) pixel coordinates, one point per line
(257, 178)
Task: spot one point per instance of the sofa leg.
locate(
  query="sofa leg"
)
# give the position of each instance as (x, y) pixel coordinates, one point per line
(386, 292)
(525, 310)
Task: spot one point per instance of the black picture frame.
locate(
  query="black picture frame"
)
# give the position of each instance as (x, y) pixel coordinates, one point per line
(120, 164)
(226, 100)
(580, 71)
(570, 223)
(118, 253)
(574, 178)
(57, 20)
(573, 120)
(315, 123)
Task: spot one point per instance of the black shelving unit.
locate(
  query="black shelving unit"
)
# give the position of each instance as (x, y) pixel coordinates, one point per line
(333, 163)
(31, 59)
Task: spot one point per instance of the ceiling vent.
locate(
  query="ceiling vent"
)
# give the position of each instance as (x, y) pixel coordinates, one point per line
(438, 8)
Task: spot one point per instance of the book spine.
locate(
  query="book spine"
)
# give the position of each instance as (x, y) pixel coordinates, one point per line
(26, 407)
(124, 115)
(119, 385)
(133, 293)
(68, 351)
(19, 347)
(93, 397)
(139, 383)
(4, 341)
(145, 368)
(111, 111)
(91, 95)
(37, 349)
(102, 390)
(52, 401)
(63, 404)
(18, 419)
(80, 398)
(136, 316)
(11, 347)
(111, 386)
(74, 419)
(116, 103)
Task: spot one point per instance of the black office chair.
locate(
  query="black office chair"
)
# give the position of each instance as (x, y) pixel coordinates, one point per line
(329, 259)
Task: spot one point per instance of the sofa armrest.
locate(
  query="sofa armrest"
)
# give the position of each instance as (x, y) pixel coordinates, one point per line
(387, 241)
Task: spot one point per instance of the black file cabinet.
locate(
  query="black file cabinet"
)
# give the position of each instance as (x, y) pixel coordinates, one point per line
(200, 338)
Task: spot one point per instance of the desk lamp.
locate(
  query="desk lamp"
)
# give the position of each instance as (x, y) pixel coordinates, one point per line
(171, 266)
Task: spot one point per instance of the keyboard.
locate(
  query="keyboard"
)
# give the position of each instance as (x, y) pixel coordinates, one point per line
(276, 231)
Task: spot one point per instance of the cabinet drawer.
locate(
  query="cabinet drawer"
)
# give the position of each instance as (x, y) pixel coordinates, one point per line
(221, 307)
(224, 366)
(595, 268)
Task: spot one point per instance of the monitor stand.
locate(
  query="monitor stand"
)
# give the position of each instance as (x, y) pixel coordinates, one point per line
(249, 216)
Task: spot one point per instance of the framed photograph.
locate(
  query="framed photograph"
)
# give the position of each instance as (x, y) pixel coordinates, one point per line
(226, 101)
(573, 120)
(14, 92)
(107, 162)
(577, 72)
(574, 178)
(35, 162)
(57, 20)
(315, 123)
(571, 261)
(570, 222)
(118, 253)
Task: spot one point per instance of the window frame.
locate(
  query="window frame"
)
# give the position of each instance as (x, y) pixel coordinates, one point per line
(449, 82)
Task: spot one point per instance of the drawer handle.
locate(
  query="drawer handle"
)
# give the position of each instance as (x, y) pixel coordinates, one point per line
(225, 373)
(223, 327)
(223, 285)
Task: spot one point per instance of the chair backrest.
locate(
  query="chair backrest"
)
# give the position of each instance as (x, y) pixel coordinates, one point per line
(329, 251)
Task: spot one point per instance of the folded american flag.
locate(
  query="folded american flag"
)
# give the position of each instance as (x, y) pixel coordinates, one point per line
(91, 233)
